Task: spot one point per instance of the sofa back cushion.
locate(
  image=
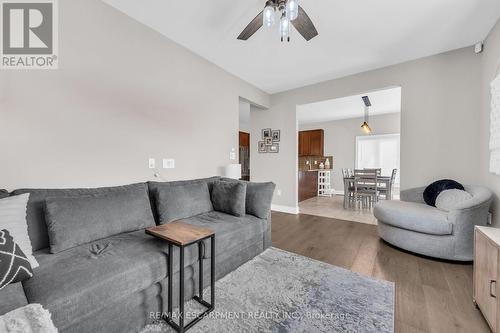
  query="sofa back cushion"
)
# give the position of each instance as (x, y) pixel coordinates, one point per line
(154, 186)
(229, 197)
(37, 228)
(73, 221)
(4, 194)
(182, 200)
(258, 197)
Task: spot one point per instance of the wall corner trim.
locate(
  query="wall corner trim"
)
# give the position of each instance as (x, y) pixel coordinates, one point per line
(285, 209)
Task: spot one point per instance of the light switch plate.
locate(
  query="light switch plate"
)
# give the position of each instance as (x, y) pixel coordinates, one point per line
(168, 163)
(152, 163)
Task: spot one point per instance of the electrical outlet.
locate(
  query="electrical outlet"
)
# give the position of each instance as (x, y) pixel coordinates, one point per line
(278, 192)
(232, 156)
(152, 163)
(168, 163)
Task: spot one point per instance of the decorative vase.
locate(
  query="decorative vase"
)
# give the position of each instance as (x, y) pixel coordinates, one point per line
(327, 164)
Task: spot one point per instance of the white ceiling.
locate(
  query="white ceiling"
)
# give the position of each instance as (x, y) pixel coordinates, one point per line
(354, 36)
(383, 102)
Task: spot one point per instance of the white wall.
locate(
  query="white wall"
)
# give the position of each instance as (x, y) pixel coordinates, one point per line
(439, 120)
(490, 62)
(340, 140)
(123, 93)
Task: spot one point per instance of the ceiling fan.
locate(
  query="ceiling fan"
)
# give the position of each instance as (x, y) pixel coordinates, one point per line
(290, 12)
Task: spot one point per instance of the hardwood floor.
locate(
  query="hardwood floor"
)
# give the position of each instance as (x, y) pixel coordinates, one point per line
(431, 295)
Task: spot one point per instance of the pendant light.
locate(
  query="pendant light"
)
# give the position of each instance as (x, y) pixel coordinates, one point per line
(366, 128)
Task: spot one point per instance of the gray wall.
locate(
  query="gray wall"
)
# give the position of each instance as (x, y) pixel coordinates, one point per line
(340, 140)
(439, 120)
(489, 66)
(123, 93)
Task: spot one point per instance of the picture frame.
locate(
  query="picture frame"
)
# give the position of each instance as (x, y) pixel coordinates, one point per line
(262, 147)
(266, 133)
(268, 141)
(274, 148)
(276, 135)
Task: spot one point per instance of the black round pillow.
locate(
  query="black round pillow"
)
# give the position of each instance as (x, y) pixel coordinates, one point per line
(432, 191)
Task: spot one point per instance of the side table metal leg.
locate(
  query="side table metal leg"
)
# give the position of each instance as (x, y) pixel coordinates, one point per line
(212, 271)
(170, 278)
(181, 293)
(200, 277)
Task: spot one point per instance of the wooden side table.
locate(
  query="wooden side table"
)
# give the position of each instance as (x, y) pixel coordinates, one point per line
(182, 234)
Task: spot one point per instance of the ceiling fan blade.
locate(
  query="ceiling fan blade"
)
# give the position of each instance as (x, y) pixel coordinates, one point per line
(252, 27)
(304, 25)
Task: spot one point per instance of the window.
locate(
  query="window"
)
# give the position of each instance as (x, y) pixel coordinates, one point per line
(378, 151)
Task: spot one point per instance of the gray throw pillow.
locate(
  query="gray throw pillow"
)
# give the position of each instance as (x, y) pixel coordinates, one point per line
(259, 198)
(73, 221)
(4, 194)
(175, 202)
(449, 199)
(229, 197)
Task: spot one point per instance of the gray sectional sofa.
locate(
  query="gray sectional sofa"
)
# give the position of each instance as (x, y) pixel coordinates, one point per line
(112, 284)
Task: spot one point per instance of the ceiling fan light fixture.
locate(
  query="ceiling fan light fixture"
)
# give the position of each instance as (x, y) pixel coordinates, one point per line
(285, 28)
(292, 9)
(269, 14)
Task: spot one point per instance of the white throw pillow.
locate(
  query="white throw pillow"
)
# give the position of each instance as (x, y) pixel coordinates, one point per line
(449, 199)
(13, 218)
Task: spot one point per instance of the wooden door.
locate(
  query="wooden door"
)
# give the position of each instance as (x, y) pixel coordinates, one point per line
(316, 143)
(485, 277)
(244, 153)
(244, 139)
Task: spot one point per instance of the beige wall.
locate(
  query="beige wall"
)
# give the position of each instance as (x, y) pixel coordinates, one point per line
(489, 66)
(340, 140)
(439, 120)
(123, 93)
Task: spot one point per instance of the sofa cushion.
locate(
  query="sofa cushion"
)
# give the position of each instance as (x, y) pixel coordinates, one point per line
(12, 297)
(432, 191)
(232, 233)
(229, 197)
(259, 197)
(413, 216)
(179, 201)
(37, 227)
(86, 278)
(79, 220)
(14, 265)
(450, 199)
(13, 218)
(154, 186)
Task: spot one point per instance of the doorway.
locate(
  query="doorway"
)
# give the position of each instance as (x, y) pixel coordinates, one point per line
(356, 132)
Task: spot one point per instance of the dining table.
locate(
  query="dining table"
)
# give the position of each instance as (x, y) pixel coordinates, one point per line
(382, 182)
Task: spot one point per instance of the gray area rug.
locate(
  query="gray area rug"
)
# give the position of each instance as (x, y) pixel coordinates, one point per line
(279, 291)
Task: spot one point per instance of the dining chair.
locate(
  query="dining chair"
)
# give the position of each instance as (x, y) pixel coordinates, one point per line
(366, 190)
(348, 188)
(387, 190)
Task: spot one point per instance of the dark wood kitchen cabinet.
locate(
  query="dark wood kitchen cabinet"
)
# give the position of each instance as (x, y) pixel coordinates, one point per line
(311, 143)
(308, 185)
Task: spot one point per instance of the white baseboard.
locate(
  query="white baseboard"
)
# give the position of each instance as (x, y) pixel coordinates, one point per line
(285, 209)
